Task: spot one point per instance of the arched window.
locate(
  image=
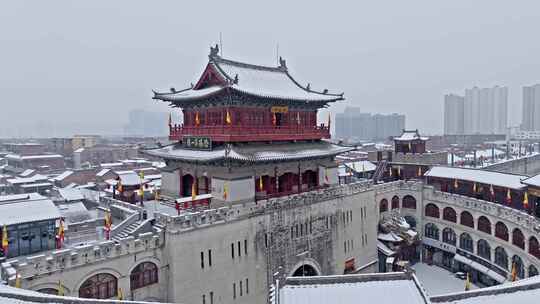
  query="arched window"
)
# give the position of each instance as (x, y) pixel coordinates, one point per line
(432, 210)
(466, 242)
(395, 202)
(143, 275)
(383, 206)
(518, 263)
(534, 249)
(466, 219)
(449, 214)
(449, 236)
(99, 286)
(484, 225)
(484, 250)
(518, 239)
(532, 271)
(501, 258)
(431, 231)
(409, 202)
(501, 231)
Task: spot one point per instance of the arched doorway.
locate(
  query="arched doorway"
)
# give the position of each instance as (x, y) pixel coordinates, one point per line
(305, 270)
(187, 184)
(449, 236)
(99, 286)
(287, 181)
(143, 275)
(383, 206)
(518, 264)
(310, 178)
(395, 202)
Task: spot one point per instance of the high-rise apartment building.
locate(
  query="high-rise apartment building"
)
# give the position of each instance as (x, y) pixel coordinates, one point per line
(531, 108)
(485, 111)
(453, 114)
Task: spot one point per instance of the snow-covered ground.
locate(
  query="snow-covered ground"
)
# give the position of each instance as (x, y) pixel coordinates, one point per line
(438, 281)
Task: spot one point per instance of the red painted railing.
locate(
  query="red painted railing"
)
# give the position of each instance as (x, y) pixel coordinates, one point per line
(244, 133)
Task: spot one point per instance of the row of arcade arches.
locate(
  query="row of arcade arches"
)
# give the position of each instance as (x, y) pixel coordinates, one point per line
(408, 202)
(105, 285)
(484, 225)
(482, 248)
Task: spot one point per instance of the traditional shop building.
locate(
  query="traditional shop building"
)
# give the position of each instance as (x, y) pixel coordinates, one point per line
(250, 132)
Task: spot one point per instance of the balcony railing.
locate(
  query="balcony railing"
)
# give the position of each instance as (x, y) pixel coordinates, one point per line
(251, 133)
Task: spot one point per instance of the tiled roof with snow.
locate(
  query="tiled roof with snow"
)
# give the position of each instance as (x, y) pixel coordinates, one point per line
(102, 172)
(62, 176)
(71, 194)
(27, 172)
(519, 292)
(261, 81)
(410, 135)
(17, 209)
(27, 180)
(505, 180)
(25, 157)
(532, 181)
(380, 288)
(253, 153)
(361, 166)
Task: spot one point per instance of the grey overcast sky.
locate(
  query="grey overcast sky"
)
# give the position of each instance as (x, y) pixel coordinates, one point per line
(84, 64)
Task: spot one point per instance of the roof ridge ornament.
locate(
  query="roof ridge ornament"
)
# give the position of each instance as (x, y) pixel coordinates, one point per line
(214, 51)
(308, 87)
(235, 81)
(282, 63)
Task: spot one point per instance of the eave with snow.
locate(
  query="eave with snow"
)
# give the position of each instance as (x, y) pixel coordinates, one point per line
(234, 101)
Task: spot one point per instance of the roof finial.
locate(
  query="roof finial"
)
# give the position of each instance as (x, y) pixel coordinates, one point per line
(235, 79)
(325, 91)
(173, 90)
(308, 87)
(282, 63)
(214, 51)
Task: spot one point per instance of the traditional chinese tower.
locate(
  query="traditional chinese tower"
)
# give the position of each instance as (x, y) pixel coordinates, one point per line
(250, 132)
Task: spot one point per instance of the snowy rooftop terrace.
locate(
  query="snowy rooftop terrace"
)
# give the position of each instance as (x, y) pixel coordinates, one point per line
(380, 288)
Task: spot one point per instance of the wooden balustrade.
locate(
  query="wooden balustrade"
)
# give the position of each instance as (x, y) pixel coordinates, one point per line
(250, 133)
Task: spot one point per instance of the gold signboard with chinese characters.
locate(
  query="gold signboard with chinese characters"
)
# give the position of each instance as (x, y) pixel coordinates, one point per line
(197, 142)
(283, 109)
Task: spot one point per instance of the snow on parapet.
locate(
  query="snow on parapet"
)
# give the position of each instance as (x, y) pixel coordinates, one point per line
(59, 260)
(191, 220)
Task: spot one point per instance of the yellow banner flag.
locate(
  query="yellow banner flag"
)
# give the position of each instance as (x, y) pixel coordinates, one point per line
(60, 289)
(228, 119)
(5, 240)
(193, 190)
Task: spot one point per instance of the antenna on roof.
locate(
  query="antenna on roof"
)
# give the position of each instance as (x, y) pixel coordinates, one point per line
(220, 45)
